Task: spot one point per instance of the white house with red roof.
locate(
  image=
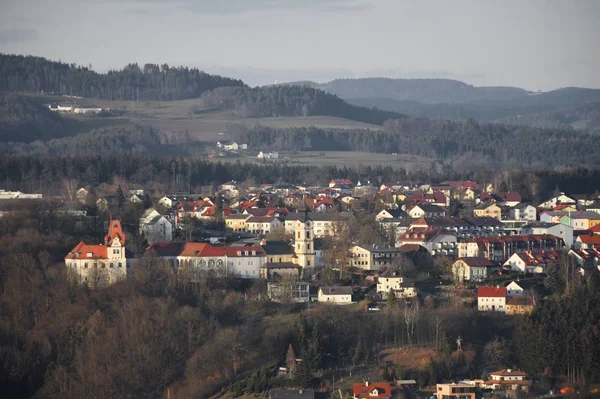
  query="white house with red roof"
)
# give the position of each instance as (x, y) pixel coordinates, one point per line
(371, 390)
(101, 264)
(536, 261)
(473, 268)
(508, 379)
(491, 299)
(587, 242)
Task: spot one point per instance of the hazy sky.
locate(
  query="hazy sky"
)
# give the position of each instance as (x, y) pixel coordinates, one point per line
(535, 44)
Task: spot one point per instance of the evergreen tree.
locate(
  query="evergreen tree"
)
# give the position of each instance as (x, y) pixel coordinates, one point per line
(120, 197)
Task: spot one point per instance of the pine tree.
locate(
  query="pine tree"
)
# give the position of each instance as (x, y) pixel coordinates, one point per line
(120, 197)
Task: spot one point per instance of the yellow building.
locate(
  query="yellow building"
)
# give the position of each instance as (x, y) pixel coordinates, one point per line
(237, 222)
(488, 210)
(519, 305)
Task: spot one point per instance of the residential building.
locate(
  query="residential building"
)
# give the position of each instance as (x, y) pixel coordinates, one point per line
(268, 155)
(339, 295)
(508, 379)
(560, 199)
(375, 257)
(371, 390)
(536, 261)
(284, 291)
(237, 222)
(158, 229)
(523, 212)
(491, 299)
(388, 282)
(489, 209)
(588, 242)
(556, 229)
(245, 261)
(390, 214)
(325, 224)
(463, 228)
(426, 210)
(514, 289)
(518, 305)
(586, 258)
(437, 241)
(263, 225)
(509, 198)
(473, 268)
(582, 220)
(500, 249)
(454, 391)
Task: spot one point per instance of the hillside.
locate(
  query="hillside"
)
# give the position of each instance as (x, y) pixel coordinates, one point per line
(151, 82)
(276, 101)
(25, 120)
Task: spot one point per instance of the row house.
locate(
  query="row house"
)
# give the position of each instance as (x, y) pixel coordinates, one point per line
(262, 225)
(556, 229)
(463, 228)
(500, 249)
(437, 241)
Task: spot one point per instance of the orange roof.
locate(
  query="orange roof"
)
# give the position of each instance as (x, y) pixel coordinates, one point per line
(595, 229)
(592, 240)
(365, 390)
(115, 231)
(82, 250)
(201, 249)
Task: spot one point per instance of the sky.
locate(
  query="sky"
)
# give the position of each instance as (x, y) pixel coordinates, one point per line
(534, 44)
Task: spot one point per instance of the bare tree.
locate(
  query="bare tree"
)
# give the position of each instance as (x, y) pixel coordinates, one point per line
(69, 189)
(411, 318)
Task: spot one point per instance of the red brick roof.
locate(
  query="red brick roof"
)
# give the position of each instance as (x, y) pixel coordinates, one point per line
(491, 292)
(364, 391)
(590, 240)
(201, 249)
(115, 231)
(478, 262)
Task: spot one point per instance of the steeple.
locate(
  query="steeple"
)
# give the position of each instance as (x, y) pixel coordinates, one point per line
(114, 231)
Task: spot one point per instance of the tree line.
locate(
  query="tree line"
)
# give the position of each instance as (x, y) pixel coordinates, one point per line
(500, 145)
(151, 82)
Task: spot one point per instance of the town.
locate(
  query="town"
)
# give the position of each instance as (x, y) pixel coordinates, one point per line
(377, 249)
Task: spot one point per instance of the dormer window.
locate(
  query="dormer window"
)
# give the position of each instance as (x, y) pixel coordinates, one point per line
(89, 254)
(239, 253)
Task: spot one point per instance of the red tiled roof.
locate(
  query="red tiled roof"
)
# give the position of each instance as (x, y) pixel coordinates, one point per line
(595, 229)
(590, 240)
(260, 219)
(167, 249)
(491, 292)
(115, 231)
(475, 262)
(81, 251)
(509, 373)
(364, 391)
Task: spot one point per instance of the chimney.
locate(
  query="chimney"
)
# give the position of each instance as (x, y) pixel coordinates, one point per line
(509, 370)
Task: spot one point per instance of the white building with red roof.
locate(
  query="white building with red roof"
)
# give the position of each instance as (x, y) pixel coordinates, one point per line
(491, 299)
(101, 264)
(371, 390)
(536, 261)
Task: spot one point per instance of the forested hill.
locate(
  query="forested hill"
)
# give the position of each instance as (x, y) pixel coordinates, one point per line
(151, 82)
(273, 101)
(425, 91)
(24, 120)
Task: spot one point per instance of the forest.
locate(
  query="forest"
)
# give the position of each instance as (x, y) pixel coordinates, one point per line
(273, 101)
(497, 145)
(151, 82)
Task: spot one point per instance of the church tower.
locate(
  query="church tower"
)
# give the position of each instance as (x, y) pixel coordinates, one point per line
(304, 245)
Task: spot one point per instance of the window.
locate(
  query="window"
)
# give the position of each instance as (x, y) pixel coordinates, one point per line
(111, 264)
(85, 266)
(120, 264)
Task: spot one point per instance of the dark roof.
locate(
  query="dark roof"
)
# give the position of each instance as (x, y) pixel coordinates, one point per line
(336, 290)
(280, 265)
(430, 208)
(166, 248)
(278, 248)
(478, 262)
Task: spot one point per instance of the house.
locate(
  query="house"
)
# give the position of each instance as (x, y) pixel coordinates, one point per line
(245, 261)
(556, 229)
(390, 214)
(582, 220)
(508, 380)
(136, 199)
(585, 258)
(436, 240)
(325, 224)
(291, 394)
(473, 269)
(489, 209)
(388, 282)
(338, 295)
(518, 305)
(101, 264)
(536, 261)
(198, 259)
(560, 199)
(523, 212)
(368, 390)
(587, 242)
(464, 227)
(345, 182)
(81, 195)
(237, 222)
(514, 289)
(426, 210)
(263, 224)
(375, 257)
(157, 228)
(454, 391)
(502, 248)
(491, 299)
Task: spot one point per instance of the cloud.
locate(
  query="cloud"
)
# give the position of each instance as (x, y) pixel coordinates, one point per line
(18, 35)
(243, 6)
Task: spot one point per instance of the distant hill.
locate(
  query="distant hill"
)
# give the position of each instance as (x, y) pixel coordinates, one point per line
(451, 99)
(426, 91)
(274, 101)
(151, 82)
